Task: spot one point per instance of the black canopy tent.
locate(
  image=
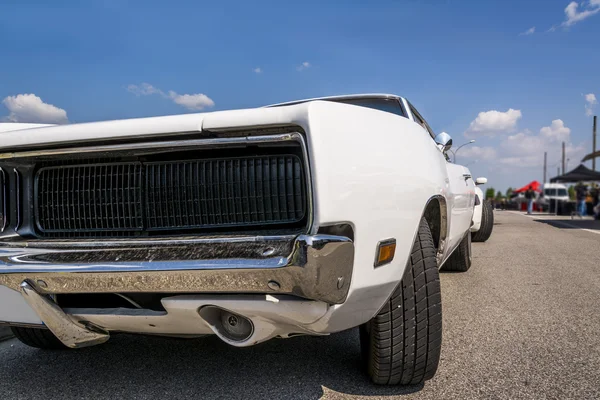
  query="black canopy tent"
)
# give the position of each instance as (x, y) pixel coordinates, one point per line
(579, 174)
(591, 156)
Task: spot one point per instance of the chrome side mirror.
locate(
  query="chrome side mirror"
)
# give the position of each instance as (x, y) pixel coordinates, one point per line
(481, 181)
(444, 141)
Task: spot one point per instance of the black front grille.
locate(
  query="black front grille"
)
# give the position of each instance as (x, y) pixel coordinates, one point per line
(87, 198)
(171, 195)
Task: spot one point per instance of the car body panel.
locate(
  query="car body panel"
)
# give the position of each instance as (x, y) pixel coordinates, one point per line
(91, 132)
(478, 210)
(370, 169)
(19, 126)
(462, 195)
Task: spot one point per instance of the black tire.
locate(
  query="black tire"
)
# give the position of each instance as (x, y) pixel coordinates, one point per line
(487, 224)
(39, 338)
(402, 343)
(461, 259)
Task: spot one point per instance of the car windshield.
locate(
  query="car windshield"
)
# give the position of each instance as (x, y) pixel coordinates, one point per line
(556, 192)
(387, 105)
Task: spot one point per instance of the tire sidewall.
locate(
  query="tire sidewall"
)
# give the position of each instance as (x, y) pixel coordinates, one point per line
(469, 255)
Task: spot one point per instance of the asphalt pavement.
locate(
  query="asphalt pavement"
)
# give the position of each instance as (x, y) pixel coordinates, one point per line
(524, 322)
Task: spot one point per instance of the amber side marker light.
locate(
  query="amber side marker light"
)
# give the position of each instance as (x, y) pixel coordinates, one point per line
(385, 252)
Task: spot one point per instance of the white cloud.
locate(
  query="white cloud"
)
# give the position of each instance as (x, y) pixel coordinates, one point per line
(303, 66)
(194, 102)
(476, 152)
(556, 132)
(526, 149)
(576, 12)
(144, 89)
(257, 70)
(522, 143)
(591, 101)
(489, 123)
(31, 108)
(529, 31)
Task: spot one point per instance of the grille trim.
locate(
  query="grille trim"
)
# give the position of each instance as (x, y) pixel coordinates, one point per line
(19, 199)
(171, 195)
(3, 200)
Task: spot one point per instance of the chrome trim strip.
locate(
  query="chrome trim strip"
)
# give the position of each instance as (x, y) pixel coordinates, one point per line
(128, 242)
(176, 144)
(23, 325)
(4, 199)
(18, 199)
(317, 267)
(309, 192)
(71, 334)
(171, 144)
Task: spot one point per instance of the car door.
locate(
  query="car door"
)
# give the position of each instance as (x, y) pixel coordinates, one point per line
(459, 193)
(461, 196)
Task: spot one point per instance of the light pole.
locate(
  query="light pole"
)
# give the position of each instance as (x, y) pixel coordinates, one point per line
(459, 147)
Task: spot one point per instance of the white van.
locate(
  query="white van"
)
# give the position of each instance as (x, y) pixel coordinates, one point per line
(552, 192)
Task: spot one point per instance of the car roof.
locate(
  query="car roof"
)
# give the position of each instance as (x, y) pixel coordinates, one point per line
(340, 97)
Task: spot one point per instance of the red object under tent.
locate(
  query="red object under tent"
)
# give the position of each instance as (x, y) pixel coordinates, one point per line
(537, 187)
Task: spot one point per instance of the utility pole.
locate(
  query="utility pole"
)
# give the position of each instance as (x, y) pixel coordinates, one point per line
(563, 158)
(594, 145)
(545, 161)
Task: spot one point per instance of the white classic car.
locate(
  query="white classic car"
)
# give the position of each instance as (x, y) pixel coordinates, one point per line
(304, 218)
(483, 216)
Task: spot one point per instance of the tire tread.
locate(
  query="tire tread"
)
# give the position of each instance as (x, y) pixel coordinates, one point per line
(38, 338)
(402, 342)
(487, 223)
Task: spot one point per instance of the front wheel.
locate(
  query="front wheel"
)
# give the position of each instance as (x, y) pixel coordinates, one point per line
(487, 223)
(461, 259)
(39, 338)
(402, 343)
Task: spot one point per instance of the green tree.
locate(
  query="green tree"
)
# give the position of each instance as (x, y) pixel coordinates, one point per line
(489, 193)
(509, 192)
(499, 196)
(572, 192)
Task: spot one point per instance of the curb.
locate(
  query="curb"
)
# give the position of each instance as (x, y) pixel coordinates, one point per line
(5, 333)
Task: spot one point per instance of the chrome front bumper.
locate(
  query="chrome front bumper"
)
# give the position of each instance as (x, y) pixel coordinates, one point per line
(69, 332)
(317, 267)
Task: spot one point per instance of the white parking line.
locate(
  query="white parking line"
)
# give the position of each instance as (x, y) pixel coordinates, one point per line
(553, 217)
(538, 216)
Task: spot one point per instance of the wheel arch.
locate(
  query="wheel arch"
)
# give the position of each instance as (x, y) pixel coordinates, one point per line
(436, 215)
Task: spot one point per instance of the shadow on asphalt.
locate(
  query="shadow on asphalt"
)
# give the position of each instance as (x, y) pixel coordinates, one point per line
(574, 223)
(149, 367)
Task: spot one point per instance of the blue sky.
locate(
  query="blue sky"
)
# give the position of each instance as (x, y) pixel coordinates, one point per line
(453, 59)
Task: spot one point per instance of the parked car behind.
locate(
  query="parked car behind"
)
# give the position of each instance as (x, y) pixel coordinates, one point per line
(483, 215)
(551, 194)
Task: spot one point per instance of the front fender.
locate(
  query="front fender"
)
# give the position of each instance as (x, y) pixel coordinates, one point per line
(375, 171)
